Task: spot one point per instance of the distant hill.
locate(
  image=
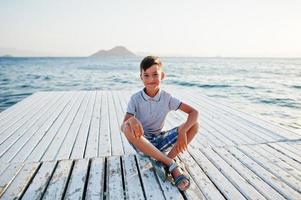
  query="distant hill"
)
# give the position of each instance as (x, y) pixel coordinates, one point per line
(118, 51)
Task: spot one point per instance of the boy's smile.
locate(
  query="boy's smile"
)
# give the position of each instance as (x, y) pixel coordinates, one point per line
(151, 79)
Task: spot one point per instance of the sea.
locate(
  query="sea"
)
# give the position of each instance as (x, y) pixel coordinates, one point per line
(269, 88)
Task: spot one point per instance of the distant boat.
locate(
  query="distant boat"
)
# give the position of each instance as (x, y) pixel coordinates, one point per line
(118, 51)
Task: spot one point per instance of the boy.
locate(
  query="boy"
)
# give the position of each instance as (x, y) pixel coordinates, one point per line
(145, 118)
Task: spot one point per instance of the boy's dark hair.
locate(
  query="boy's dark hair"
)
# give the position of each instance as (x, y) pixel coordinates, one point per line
(149, 61)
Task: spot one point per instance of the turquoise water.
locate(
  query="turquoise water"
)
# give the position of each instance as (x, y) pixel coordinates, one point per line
(266, 87)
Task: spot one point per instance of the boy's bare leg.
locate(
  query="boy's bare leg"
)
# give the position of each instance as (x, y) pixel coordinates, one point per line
(173, 152)
(190, 135)
(146, 147)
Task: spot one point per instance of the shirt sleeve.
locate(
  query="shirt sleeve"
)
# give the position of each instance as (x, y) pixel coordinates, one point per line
(174, 103)
(131, 108)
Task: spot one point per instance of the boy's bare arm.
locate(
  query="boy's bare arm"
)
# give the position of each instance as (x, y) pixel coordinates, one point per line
(134, 124)
(192, 118)
(125, 121)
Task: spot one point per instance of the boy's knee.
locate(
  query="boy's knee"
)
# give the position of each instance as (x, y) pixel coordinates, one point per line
(128, 132)
(129, 135)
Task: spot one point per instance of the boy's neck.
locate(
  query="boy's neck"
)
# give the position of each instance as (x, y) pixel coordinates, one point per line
(151, 93)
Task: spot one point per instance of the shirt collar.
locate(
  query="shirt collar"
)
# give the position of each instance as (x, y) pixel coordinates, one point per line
(148, 98)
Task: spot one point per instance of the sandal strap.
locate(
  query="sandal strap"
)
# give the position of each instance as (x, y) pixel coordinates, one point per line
(172, 167)
(180, 179)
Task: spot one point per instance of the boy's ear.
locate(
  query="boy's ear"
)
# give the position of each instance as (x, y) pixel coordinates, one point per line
(162, 75)
(140, 76)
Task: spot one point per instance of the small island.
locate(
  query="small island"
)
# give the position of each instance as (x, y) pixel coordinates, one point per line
(118, 51)
(6, 56)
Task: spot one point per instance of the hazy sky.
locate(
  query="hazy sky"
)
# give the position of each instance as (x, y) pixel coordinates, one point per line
(166, 27)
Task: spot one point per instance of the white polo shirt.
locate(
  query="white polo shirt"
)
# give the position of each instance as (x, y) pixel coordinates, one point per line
(152, 111)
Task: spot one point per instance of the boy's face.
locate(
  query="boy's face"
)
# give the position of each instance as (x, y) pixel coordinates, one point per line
(152, 77)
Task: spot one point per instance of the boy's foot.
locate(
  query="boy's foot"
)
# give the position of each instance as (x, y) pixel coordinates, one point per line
(181, 180)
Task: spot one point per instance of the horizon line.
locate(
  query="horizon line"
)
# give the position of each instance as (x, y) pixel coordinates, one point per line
(137, 56)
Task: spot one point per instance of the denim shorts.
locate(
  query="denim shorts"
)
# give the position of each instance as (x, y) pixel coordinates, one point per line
(164, 141)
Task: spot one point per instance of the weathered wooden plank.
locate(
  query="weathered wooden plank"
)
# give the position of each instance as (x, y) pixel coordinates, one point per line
(57, 184)
(20, 182)
(78, 150)
(8, 175)
(232, 130)
(39, 183)
(114, 177)
(8, 119)
(268, 177)
(117, 147)
(295, 145)
(264, 188)
(238, 181)
(17, 107)
(3, 167)
(207, 134)
(120, 112)
(193, 192)
(29, 143)
(149, 181)
(218, 123)
(104, 132)
(26, 121)
(76, 185)
(93, 139)
(284, 148)
(223, 110)
(283, 163)
(68, 143)
(254, 121)
(223, 184)
(272, 168)
(177, 118)
(59, 135)
(12, 145)
(96, 183)
(210, 131)
(206, 186)
(221, 123)
(230, 121)
(250, 131)
(170, 191)
(287, 149)
(40, 148)
(133, 186)
(281, 156)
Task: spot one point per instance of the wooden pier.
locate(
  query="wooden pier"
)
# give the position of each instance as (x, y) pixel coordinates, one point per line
(68, 145)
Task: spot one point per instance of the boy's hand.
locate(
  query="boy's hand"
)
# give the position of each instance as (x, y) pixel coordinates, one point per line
(181, 144)
(136, 127)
